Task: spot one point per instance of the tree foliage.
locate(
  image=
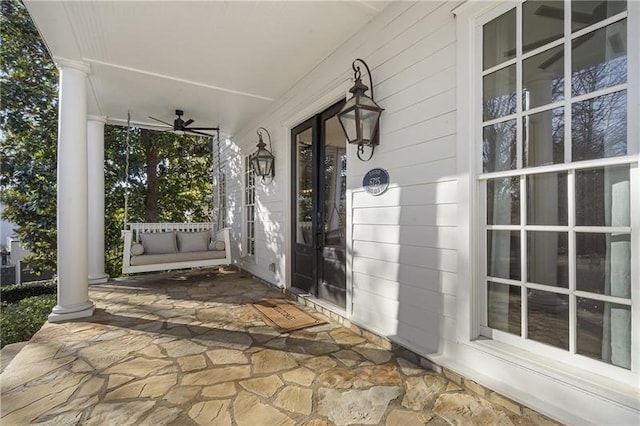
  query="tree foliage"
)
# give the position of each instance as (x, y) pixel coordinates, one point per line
(180, 168)
(169, 176)
(29, 118)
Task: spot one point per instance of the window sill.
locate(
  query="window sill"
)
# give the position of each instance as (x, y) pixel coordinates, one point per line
(589, 382)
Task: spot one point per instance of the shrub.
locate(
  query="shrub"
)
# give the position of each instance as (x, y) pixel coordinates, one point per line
(20, 321)
(16, 292)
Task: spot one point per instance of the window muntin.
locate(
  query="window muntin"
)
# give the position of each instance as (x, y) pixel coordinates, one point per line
(562, 268)
(249, 207)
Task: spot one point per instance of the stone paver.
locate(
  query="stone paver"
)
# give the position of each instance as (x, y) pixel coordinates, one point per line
(185, 348)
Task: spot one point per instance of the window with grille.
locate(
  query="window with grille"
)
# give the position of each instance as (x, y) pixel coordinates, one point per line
(249, 207)
(558, 180)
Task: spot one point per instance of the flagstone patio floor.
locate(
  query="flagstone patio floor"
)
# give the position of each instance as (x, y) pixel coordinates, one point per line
(186, 349)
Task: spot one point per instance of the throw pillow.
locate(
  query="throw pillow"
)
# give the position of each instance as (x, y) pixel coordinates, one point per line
(137, 249)
(159, 242)
(217, 245)
(193, 241)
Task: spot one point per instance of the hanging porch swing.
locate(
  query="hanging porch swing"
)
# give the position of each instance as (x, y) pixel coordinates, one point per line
(151, 247)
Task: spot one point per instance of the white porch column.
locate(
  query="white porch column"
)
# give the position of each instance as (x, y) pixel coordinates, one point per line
(73, 291)
(95, 150)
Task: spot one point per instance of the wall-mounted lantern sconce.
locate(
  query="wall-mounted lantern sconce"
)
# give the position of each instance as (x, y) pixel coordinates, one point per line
(360, 116)
(263, 160)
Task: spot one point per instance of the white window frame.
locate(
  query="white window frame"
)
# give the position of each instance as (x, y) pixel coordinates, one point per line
(471, 16)
(249, 208)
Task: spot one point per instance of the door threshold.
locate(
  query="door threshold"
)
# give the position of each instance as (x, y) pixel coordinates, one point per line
(320, 304)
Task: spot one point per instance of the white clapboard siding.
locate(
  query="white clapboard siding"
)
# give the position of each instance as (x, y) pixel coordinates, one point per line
(426, 257)
(431, 193)
(426, 236)
(439, 215)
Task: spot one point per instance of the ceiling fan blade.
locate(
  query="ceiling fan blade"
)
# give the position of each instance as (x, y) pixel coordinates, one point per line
(197, 132)
(163, 122)
(186, 123)
(558, 13)
(203, 128)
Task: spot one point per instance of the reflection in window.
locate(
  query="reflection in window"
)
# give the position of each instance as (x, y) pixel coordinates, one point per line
(304, 179)
(588, 12)
(548, 258)
(503, 254)
(499, 40)
(504, 307)
(499, 93)
(543, 78)
(537, 15)
(599, 127)
(599, 59)
(249, 207)
(499, 146)
(503, 201)
(548, 318)
(597, 336)
(547, 199)
(544, 138)
(603, 263)
(603, 197)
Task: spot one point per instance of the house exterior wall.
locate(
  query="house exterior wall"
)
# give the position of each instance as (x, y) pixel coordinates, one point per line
(405, 277)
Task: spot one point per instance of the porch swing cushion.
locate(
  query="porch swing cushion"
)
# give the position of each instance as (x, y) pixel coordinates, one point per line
(159, 242)
(193, 241)
(137, 249)
(153, 259)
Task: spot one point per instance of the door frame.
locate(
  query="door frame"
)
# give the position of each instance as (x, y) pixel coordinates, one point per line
(325, 99)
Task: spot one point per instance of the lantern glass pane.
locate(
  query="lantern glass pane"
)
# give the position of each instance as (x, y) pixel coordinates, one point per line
(348, 122)
(368, 120)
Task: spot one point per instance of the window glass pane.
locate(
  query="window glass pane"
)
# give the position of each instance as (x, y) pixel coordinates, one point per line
(504, 311)
(542, 23)
(588, 12)
(599, 59)
(499, 40)
(499, 146)
(543, 78)
(548, 318)
(603, 263)
(499, 93)
(304, 187)
(604, 331)
(599, 127)
(548, 258)
(602, 197)
(503, 201)
(544, 138)
(503, 254)
(547, 199)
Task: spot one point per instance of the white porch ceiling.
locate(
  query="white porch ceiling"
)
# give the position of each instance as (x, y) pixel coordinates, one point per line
(222, 62)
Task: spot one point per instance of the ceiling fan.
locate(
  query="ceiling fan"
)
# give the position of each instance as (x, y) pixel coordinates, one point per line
(179, 125)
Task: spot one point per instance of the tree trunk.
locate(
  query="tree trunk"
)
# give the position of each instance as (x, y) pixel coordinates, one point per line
(152, 194)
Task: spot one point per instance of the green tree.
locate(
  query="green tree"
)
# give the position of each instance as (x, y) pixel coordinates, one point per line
(29, 118)
(169, 180)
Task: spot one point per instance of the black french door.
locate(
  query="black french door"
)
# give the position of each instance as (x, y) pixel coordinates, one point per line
(319, 206)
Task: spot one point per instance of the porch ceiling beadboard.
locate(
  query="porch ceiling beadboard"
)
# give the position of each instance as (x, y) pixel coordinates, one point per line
(222, 62)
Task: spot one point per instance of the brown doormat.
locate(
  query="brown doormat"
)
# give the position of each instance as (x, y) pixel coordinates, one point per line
(284, 315)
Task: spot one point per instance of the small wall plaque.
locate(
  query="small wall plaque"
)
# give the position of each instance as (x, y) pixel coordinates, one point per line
(376, 181)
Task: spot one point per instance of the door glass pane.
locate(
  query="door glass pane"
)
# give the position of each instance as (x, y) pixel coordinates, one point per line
(499, 146)
(588, 12)
(503, 254)
(544, 138)
(548, 318)
(304, 179)
(543, 78)
(503, 201)
(499, 93)
(547, 199)
(603, 263)
(499, 40)
(599, 59)
(335, 183)
(604, 331)
(542, 23)
(504, 311)
(599, 127)
(548, 258)
(603, 197)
